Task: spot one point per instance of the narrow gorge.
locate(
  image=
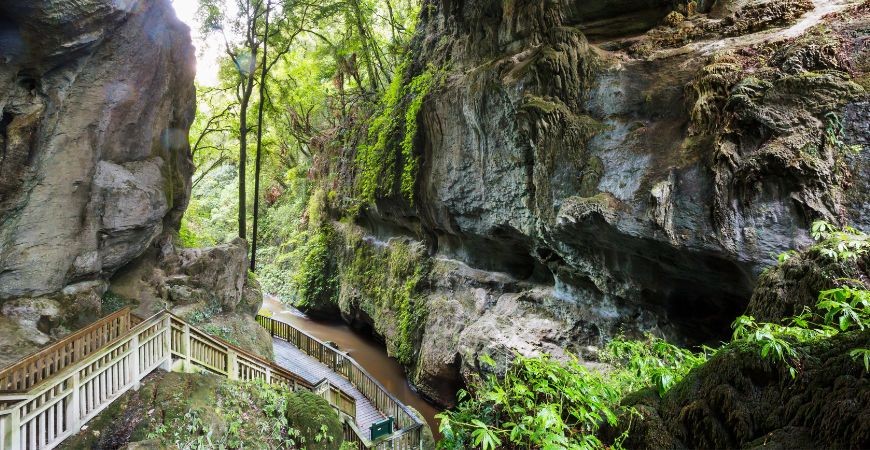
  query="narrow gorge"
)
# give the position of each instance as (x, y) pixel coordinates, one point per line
(574, 224)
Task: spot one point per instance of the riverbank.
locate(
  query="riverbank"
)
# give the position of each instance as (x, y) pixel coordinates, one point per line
(365, 350)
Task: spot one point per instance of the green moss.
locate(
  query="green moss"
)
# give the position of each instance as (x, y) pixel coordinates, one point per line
(316, 420)
(388, 160)
(385, 282)
(863, 81)
(112, 302)
(315, 277)
(541, 104)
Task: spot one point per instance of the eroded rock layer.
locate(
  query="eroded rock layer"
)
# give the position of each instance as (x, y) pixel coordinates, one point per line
(617, 167)
(96, 98)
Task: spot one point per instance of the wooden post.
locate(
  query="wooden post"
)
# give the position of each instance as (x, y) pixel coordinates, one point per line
(232, 365)
(134, 361)
(188, 364)
(74, 408)
(12, 432)
(167, 344)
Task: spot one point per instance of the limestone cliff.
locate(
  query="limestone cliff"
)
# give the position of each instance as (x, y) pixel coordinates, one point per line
(96, 99)
(586, 168)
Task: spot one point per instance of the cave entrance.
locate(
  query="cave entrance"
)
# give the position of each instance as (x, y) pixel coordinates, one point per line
(616, 20)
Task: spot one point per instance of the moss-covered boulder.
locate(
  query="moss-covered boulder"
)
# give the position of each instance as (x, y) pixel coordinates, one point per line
(316, 421)
(738, 400)
(785, 290)
(175, 410)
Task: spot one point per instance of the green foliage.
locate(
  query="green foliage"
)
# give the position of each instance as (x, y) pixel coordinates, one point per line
(540, 403)
(317, 422)
(785, 256)
(389, 279)
(418, 89)
(379, 158)
(111, 302)
(285, 228)
(862, 354)
(652, 360)
(250, 414)
(842, 244)
(315, 278)
(204, 314)
(187, 237)
(834, 132)
(838, 310)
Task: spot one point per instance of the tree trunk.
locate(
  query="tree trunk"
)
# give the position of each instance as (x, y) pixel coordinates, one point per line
(243, 151)
(259, 141)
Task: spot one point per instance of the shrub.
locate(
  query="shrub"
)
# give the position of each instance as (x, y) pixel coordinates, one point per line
(540, 403)
(316, 421)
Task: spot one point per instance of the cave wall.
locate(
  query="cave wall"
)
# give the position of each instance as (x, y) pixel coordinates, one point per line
(96, 99)
(631, 165)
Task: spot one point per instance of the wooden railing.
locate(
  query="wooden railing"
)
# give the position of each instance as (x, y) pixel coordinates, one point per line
(52, 393)
(30, 371)
(409, 431)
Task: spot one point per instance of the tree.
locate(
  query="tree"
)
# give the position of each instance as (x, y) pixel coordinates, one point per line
(263, 71)
(241, 45)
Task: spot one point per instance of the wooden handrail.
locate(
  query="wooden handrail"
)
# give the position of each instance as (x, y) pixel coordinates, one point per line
(38, 367)
(276, 368)
(112, 356)
(346, 366)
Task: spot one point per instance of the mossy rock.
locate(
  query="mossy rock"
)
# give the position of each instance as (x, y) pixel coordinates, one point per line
(739, 400)
(178, 410)
(162, 398)
(786, 289)
(317, 422)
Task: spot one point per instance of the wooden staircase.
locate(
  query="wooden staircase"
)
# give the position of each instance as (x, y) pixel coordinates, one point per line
(48, 396)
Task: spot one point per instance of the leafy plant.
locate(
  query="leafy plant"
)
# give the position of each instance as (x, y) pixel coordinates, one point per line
(862, 354)
(651, 361)
(540, 403)
(839, 244)
(845, 307)
(838, 310)
(834, 132)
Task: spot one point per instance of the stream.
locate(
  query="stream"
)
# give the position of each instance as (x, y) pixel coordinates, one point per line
(365, 350)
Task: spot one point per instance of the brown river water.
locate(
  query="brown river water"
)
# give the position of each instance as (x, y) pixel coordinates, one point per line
(365, 350)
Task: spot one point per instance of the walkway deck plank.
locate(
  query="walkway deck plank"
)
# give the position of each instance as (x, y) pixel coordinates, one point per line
(295, 360)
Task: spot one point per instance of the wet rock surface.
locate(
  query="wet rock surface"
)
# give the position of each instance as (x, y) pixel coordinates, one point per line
(625, 181)
(96, 99)
(738, 400)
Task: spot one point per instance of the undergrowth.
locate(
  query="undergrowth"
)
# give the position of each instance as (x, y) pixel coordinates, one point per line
(253, 414)
(544, 403)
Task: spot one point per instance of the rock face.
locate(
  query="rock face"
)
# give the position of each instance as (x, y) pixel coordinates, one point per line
(627, 166)
(738, 400)
(96, 98)
(209, 287)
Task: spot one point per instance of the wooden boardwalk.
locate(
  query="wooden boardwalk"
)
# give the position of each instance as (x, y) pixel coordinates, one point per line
(312, 370)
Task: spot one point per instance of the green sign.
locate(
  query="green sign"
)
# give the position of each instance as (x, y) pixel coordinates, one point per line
(382, 428)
